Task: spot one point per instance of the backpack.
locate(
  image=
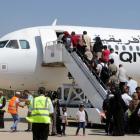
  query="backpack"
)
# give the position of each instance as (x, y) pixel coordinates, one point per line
(105, 72)
(68, 41)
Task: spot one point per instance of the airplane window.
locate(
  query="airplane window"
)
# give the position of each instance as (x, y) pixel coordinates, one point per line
(137, 48)
(131, 48)
(123, 47)
(109, 46)
(24, 44)
(13, 44)
(116, 47)
(3, 43)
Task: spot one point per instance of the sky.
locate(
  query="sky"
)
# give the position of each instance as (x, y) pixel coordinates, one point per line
(18, 14)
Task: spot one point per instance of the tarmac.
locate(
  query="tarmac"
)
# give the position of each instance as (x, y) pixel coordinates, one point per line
(91, 134)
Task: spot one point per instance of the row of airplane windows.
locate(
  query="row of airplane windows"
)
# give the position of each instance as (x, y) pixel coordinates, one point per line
(25, 45)
(124, 47)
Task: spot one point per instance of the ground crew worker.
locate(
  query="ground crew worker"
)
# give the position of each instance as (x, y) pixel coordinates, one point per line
(41, 110)
(28, 99)
(13, 109)
(2, 105)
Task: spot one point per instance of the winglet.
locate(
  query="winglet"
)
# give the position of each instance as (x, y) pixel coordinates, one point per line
(54, 22)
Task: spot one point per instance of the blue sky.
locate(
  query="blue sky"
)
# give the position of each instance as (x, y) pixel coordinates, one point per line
(17, 14)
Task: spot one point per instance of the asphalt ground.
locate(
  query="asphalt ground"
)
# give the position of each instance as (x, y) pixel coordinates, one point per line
(91, 134)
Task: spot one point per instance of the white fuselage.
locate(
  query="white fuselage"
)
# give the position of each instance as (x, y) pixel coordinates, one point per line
(22, 68)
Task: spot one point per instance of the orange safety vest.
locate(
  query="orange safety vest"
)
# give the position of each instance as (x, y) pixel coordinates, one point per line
(13, 106)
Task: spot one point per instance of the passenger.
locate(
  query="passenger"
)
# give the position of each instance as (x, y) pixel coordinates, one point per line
(13, 109)
(117, 110)
(133, 117)
(112, 67)
(95, 62)
(87, 40)
(123, 78)
(99, 67)
(75, 39)
(104, 75)
(114, 56)
(57, 115)
(106, 109)
(132, 84)
(105, 54)
(2, 111)
(81, 48)
(28, 101)
(42, 110)
(125, 95)
(81, 118)
(64, 120)
(138, 92)
(98, 47)
(114, 79)
(88, 55)
(67, 40)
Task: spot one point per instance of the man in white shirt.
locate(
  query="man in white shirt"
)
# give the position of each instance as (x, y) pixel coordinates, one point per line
(99, 67)
(114, 56)
(87, 40)
(132, 84)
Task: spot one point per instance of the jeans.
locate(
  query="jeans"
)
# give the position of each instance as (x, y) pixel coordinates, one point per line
(16, 119)
(81, 125)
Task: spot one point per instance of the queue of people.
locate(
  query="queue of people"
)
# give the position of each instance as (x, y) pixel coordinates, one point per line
(122, 111)
(122, 106)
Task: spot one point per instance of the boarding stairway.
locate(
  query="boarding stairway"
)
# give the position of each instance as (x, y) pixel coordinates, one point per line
(88, 81)
(56, 54)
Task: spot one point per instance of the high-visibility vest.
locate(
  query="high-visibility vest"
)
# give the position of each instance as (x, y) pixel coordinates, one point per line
(13, 106)
(40, 111)
(1, 100)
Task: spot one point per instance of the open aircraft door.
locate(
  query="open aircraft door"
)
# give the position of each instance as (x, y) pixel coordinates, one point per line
(52, 52)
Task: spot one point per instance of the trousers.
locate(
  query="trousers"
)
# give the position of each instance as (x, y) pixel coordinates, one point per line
(40, 131)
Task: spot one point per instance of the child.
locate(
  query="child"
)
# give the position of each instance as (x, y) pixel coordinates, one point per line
(64, 120)
(81, 117)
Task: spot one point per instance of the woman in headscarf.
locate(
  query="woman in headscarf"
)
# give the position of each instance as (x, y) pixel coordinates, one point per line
(117, 111)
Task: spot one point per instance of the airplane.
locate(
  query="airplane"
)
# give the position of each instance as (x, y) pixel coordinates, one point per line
(22, 55)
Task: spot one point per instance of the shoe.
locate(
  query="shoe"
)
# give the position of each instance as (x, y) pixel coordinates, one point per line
(59, 135)
(78, 135)
(28, 130)
(13, 129)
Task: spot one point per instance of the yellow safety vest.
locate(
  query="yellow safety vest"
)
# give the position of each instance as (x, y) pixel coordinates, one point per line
(40, 112)
(1, 100)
